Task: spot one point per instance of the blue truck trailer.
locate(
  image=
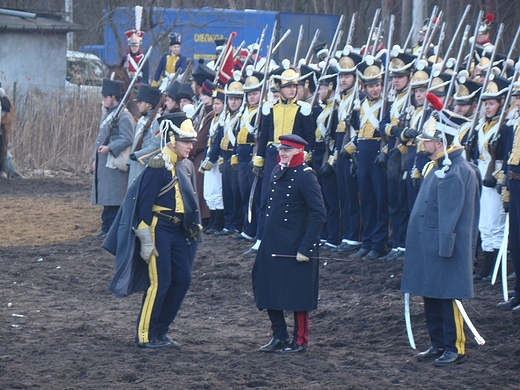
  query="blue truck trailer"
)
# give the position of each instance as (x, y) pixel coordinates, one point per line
(200, 27)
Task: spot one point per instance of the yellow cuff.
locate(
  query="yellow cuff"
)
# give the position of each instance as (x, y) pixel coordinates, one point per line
(350, 148)
(388, 130)
(220, 160)
(258, 161)
(234, 160)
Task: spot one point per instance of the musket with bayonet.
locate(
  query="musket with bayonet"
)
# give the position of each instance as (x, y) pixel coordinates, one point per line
(379, 36)
(333, 46)
(455, 36)
(298, 44)
(473, 42)
(463, 41)
(408, 37)
(311, 46)
(471, 142)
(372, 27)
(508, 62)
(431, 22)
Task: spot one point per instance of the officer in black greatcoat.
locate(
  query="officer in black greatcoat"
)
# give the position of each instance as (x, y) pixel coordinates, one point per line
(285, 273)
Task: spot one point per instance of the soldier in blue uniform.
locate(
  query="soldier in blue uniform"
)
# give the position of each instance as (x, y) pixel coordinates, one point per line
(393, 124)
(323, 156)
(244, 150)
(441, 238)
(348, 192)
(511, 203)
(372, 183)
(226, 141)
(285, 273)
(155, 236)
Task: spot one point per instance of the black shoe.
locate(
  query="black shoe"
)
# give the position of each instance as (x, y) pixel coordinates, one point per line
(345, 248)
(153, 344)
(448, 358)
(164, 338)
(477, 277)
(224, 232)
(509, 305)
(274, 345)
(372, 255)
(293, 348)
(359, 254)
(210, 231)
(100, 234)
(251, 251)
(430, 353)
(392, 255)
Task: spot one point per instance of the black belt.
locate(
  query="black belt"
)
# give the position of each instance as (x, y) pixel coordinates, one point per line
(169, 218)
(513, 176)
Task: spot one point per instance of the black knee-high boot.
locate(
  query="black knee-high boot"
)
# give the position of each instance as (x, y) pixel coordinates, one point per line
(219, 220)
(211, 221)
(487, 265)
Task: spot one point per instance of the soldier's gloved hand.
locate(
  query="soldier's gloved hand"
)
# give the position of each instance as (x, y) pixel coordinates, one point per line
(344, 153)
(147, 246)
(205, 165)
(395, 131)
(221, 168)
(353, 165)
(505, 206)
(301, 258)
(499, 188)
(258, 171)
(394, 154)
(489, 182)
(416, 183)
(380, 160)
(410, 133)
(132, 157)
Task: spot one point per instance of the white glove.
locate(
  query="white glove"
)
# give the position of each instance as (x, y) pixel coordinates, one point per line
(147, 247)
(301, 258)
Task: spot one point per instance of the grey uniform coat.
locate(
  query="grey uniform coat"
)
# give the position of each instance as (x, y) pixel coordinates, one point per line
(109, 185)
(151, 142)
(442, 233)
(294, 218)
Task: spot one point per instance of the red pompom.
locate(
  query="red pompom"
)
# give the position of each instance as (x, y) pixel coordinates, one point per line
(490, 18)
(233, 34)
(434, 101)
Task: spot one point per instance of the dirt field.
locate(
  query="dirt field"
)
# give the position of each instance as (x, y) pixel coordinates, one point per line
(61, 328)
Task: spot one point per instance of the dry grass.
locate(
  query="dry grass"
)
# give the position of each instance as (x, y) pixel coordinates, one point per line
(55, 130)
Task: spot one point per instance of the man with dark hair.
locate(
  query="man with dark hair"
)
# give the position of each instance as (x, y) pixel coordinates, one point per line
(114, 138)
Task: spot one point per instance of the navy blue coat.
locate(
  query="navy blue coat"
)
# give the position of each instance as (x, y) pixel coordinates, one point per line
(442, 233)
(294, 219)
(131, 271)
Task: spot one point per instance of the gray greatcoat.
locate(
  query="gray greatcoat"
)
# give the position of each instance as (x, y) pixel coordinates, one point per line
(109, 185)
(151, 141)
(442, 233)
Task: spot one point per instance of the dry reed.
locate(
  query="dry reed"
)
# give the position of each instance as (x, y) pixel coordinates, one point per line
(56, 129)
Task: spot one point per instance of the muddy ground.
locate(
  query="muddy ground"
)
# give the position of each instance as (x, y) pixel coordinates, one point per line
(61, 328)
